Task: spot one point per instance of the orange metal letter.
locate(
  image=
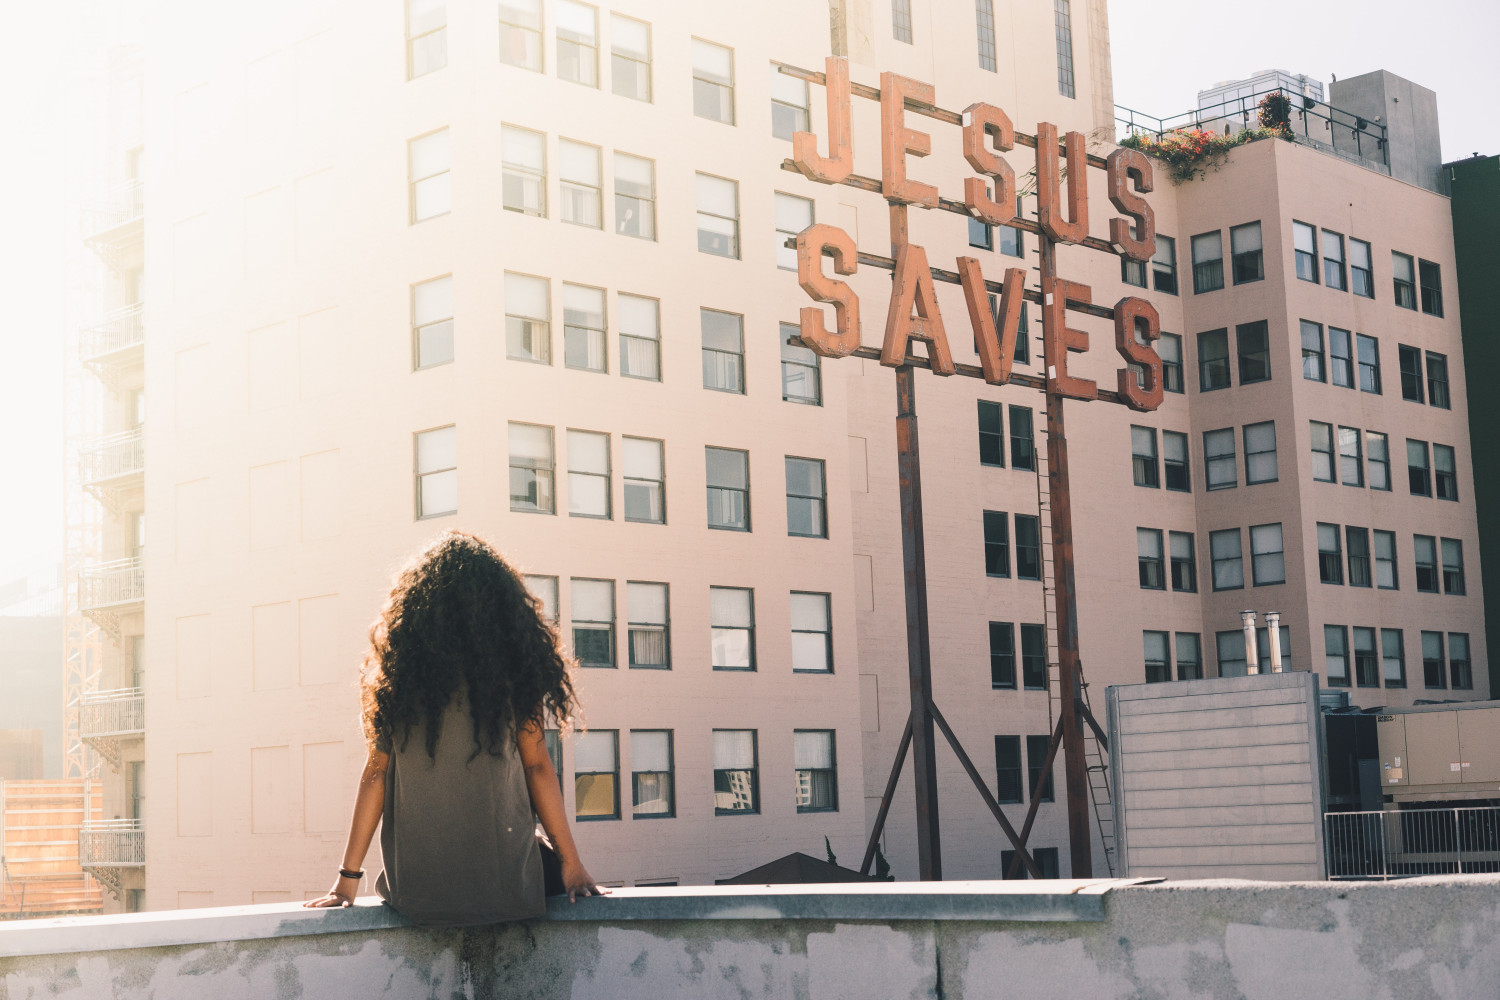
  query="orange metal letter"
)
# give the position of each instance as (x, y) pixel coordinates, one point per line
(996, 353)
(811, 243)
(1058, 340)
(1049, 186)
(911, 285)
(839, 163)
(1124, 164)
(981, 120)
(896, 140)
(1128, 312)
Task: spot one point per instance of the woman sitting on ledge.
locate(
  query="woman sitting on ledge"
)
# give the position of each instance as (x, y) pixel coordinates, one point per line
(461, 677)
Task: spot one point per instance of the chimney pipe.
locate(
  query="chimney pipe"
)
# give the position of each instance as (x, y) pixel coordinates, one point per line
(1273, 636)
(1252, 653)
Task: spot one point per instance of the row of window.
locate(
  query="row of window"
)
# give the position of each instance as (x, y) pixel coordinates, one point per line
(1433, 473)
(653, 792)
(1228, 645)
(992, 436)
(1374, 564)
(984, 30)
(1383, 662)
(1343, 362)
(1412, 381)
(1170, 466)
(997, 545)
(1360, 278)
(648, 625)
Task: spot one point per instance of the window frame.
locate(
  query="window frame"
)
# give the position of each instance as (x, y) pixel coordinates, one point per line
(627, 480)
(617, 56)
(1003, 673)
(1317, 356)
(1236, 559)
(714, 628)
(1248, 265)
(1330, 561)
(539, 473)
(670, 774)
(1225, 459)
(1432, 565)
(414, 182)
(1256, 554)
(1361, 279)
(795, 357)
(593, 192)
(418, 328)
(521, 172)
(826, 632)
(723, 88)
(1369, 371)
(1334, 274)
(1405, 291)
(1209, 374)
(818, 502)
(538, 327)
(1151, 570)
(733, 373)
(563, 37)
(1329, 453)
(734, 235)
(645, 204)
(1208, 273)
(531, 35)
(607, 475)
(833, 771)
(1164, 266)
(420, 474)
(1184, 581)
(1250, 455)
(425, 33)
(1306, 261)
(579, 774)
(663, 627)
(1431, 295)
(753, 770)
(743, 491)
(609, 624)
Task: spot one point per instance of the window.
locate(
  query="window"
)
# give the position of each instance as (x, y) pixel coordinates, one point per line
(718, 216)
(1268, 563)
(791, 107)
(723, 350)
(432, 322)
(645, 480)
(1361, 271)
(1008, 770)
(1230, 649)
(1208, 262)
(1305, 250)
(1433, 674)
(652, 792)
(1003, 655)
(793, 215)
(984, 25)
(1432, 287)
(1336, 655)
(736, 775)
(1330, 554)
(1453, 566)
(426, 37)
(1341, 356)
(528, 328)
(635, 196)
(1357, 541)
(577, 42)
(1045, 858)
(1378, 458)
(1404, 274)
(1150, 566)
(1158, 657)
(544, 589)
(1033, 658)
(1366, 665)
(1013, 243)
(812, 634)
(1437, 379)
(640, 337)
(1213, 360)
(1425, 550)
(1143, 457)
(1418, 475)
(630, 57)
(713, 82)
(437, 472)
(1028, 547)
(1164, 265)
(584, 336)
(732, 627)
(1333, 261)
(728, 488)
(1460, 674)
(1184, 563)
(1313, 368)
(1385, 560)
(817, 776)
(588, 474)
(1444, 475)
(646, 614)
(1189, 656)
(1255, 351)
(806, 498)
(1062, 14)
(981, 235)
(1392, 658)
(521, 33)
(1322, 451)
(1227, 557)
(1351, 468)
(1175, 461)
(801, 372)
(1219, 468)
(1022, 445)
(1369, 363)
(1169, 347)
(1260, 452)
(523, 171)
(594, 622)
(991, 435)
(996, 544)
(1036, 758)
(1132, 272)
(596, 774)
(580, 184)
(428, 165)
(1411, 372)
(531, 468)
(1245, 253)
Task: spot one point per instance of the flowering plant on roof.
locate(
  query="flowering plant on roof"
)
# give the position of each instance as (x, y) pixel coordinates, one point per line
(1189, 152)
(1275, 114)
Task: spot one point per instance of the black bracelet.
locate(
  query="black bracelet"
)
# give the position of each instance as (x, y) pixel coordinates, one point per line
(346, 873)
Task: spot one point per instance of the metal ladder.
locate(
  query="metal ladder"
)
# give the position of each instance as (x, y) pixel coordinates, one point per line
(1097, 763)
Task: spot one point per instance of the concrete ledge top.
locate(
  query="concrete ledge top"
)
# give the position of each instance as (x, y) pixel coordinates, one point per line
(1061, 900)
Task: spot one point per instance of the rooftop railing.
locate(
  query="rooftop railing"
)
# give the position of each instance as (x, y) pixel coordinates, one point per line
(1401, 843)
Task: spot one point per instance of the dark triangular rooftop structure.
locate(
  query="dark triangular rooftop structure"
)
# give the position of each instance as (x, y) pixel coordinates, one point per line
(796, 869)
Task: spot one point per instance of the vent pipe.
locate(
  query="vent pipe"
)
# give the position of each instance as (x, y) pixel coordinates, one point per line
(1252, 652)
(1273, 636)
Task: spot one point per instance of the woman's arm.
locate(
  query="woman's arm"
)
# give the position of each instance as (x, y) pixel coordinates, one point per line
(547, 800)
(369, 805)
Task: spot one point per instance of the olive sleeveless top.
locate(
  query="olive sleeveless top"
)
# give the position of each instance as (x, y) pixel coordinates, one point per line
(458, 835)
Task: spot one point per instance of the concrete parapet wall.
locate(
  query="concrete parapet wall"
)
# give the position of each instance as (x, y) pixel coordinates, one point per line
(1435, 937)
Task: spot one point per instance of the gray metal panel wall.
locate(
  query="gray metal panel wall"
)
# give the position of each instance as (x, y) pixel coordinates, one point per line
(1219, 778)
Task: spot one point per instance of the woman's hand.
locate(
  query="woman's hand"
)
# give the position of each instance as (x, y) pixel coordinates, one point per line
(579, 882)
(342, 894)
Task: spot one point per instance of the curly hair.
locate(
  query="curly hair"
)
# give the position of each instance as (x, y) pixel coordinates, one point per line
(460, 619)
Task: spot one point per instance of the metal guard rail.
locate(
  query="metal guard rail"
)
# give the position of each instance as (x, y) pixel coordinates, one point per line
(112, 843)
(1400, 843)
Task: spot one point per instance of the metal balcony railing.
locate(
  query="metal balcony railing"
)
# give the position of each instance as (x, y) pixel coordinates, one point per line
(122, 206)
(111, 584)
(112, 843)
(1400, 843)
(112, 713)
(113, 457)
(122, 329)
